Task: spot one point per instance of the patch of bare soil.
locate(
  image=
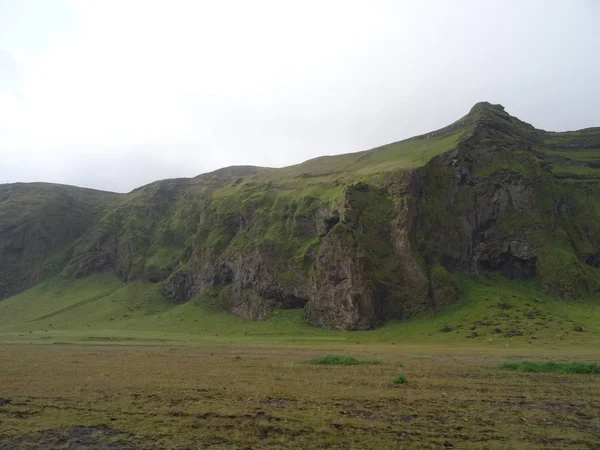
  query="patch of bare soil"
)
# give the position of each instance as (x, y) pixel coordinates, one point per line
(72, 438)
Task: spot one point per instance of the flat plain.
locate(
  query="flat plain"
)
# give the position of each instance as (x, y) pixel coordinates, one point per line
(147, 396)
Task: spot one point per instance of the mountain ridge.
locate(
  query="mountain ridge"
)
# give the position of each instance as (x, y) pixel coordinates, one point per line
(353, 239)
(464, 122)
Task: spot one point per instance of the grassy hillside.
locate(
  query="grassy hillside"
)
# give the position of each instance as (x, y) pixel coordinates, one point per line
(146, 233)
(39, 226)
(493, 312)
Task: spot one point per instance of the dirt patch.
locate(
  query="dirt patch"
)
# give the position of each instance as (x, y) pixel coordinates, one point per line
(545, 406)
(278, 402)
(513, 332)
(94, 438)
(358, 413)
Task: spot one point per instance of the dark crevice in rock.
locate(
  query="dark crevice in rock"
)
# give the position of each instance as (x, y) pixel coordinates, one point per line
(290, 302)
(511, 267)
(178, 288)
(593, 260)
(283, 299)
(223, 275)
(331, 222)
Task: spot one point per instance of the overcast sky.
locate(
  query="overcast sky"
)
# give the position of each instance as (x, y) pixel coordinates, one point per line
(116, 94)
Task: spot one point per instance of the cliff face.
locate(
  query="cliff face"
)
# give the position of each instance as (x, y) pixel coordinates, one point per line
(350, 267)
(362, 238)
(383, 248)
(146, 233)
(509, 199)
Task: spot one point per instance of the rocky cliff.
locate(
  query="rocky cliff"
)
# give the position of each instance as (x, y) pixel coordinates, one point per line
(353, 239)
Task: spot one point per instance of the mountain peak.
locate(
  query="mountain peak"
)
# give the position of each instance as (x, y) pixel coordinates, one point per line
(481, 113)
(481, 106)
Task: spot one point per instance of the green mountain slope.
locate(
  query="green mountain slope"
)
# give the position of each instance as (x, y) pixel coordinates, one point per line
(347, 242)
(39, 224)
(145, 234)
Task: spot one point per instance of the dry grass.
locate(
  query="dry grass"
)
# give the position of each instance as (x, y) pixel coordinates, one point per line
(162, 397)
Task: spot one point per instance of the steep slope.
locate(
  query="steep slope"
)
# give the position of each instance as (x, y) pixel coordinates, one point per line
(316, 236)
(504, 200)
(362, 238)
(39, 225)
(148, 232)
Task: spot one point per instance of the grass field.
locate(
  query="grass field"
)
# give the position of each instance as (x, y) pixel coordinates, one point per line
(252, 397)
(493, 313)
(123, 369)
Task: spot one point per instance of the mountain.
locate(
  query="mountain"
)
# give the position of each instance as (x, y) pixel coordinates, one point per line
(353, 239)
(39, 223)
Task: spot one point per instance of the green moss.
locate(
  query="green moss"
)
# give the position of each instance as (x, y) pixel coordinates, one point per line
(335, 360)
(552, 367)
(443, 288)
(440, 275)
(290, 278)
(163, 257)
(563, 274)
(370, 215)
(580, 172)
(400, 379)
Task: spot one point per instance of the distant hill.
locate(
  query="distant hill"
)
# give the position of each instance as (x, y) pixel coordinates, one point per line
(39, 225)
(354, 240)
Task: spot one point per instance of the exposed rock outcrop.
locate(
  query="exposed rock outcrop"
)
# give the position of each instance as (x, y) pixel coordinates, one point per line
(342, 298)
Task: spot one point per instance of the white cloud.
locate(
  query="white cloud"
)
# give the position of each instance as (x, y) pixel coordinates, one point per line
(175, 88)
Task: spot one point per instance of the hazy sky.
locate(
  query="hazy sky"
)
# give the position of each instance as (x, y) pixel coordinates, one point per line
(115, 94)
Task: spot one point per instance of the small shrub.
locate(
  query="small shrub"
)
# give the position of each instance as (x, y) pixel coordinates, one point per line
(400, 379)
(399, 364)
(335, 360)
(552, 367)
(277, 378)
(237, 357)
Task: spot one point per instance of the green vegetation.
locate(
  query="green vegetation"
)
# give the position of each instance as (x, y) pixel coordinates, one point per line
(100, 308)
(577, 172)
(400, 379)
(39, 226)
(173, 396)
(150, 232)
(335, 360)
(552, 367)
